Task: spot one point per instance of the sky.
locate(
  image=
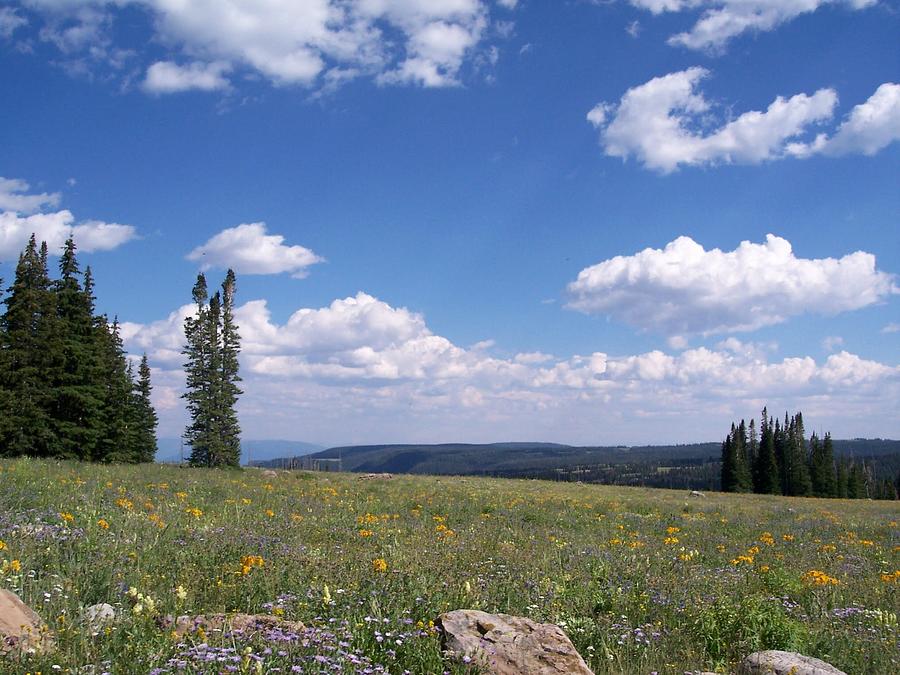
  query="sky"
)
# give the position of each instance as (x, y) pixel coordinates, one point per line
(608, 222)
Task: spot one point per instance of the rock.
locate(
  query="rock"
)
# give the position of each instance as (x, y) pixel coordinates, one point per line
(695, 493)
(501, 644)
(21, 629)
(247, 623)
(376, 476)
(774, 662)
(268, 473)
(99, 616)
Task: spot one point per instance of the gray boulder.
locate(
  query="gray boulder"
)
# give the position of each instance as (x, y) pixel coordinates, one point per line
(774, 662)
(501, 644)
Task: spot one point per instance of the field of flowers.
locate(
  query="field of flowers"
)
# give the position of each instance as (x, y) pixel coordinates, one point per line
(641, 580)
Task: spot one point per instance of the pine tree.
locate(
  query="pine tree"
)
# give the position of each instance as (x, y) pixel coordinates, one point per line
(27, 328)
(77, 378)
(231, 430)
(798, 483)
(116, 439)
(211, 367)
(856, 482)
(841, 478)
(729, 463)
(146, 420)
(767, 477)
(196, 368)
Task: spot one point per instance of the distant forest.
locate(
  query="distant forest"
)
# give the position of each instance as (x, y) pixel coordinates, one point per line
(67, 389)
(694, 466)
(780, 461)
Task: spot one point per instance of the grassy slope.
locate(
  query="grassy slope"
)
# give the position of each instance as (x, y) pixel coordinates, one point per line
(634, 594)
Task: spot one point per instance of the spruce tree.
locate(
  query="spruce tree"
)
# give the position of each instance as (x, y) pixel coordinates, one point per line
(841, 475)
(116, 439)
(231, 430)
(767, 477)
(28, 329)
(146, 420)
(197, 376)
(211, 368)
(76, 379)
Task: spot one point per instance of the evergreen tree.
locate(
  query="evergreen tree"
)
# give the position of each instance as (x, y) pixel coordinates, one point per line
(797, 473)
(742, 456)
(211, 367)
(766, 474)
(856, 482)
(729, 463)
(841, 478)
(76, 379)
(145, 420)
(231, 430)
(829, 482)
(116, 439)
(27, 329)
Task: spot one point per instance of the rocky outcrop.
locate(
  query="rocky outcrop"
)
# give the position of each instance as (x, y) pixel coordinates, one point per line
(775, 662)
(21, 629)
(375, 476)
(99, 616)
(501, 644)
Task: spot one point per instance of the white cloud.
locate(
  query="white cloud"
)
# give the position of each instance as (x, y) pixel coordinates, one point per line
(360, 369)
(10, 20)
(892, 327)
(722, 20)
(870, 127)
(830, 343)
(289, 43)
(654, 122)
(165, 77)
(685, 289)
(508, 4)
(14, 197)
(662, 122)
(248, 249)
(18, 221)
(55, 228)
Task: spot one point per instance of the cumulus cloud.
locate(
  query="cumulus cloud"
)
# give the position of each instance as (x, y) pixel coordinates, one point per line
(362, 366)
(14, 197)
(165, 77)
(18, 222)
(684, 289)
(661, 123)
(722, 20)
(870, 127)
(655, 123)
(248, 249)
(307, 43)
(55, 228)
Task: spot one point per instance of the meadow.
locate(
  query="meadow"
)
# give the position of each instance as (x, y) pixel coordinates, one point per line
(642, 580)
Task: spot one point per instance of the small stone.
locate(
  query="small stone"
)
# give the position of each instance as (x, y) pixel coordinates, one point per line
(99, 616)
(376, 476)
(774, 662)
(501, 644)
(697, 493)
(21, 629)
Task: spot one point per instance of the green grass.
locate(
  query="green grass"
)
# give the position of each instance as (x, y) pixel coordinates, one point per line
(634, 594)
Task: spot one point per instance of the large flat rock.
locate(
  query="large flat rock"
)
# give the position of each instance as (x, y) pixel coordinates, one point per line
(774, 662)
(501, 644)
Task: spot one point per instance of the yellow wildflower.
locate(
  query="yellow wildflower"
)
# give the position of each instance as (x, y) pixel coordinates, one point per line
(67, 517)
(379, 565)
(673, 529)
(819, 578)
(670, 540)
(102, 524)
(248, 562)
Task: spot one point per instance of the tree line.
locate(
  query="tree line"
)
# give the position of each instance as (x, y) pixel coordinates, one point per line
(67, 389)
(779, 460)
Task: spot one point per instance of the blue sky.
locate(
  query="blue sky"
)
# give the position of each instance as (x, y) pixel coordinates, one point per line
(463, 220)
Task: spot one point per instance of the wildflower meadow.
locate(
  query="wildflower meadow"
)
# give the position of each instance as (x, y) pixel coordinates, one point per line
(642, 580)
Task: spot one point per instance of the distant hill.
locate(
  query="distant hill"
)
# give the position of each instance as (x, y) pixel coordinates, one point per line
(691, 466)
(169, 450)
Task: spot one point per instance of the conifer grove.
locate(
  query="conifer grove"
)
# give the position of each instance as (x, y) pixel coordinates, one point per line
(211, 376)
(67, 389)
(779, 460)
